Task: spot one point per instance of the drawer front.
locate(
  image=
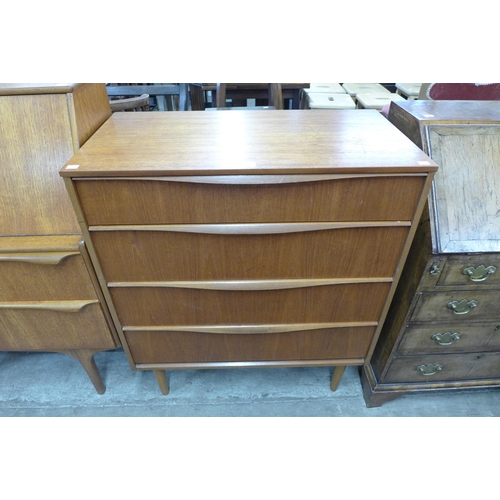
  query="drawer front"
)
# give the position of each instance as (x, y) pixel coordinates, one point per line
(481, 270)
(450, 338)
(160, 306)
(142, 201)
(171, 256)
(468, 306)
(194, 347)
(446, 367)
(45, 330)
(44, 276)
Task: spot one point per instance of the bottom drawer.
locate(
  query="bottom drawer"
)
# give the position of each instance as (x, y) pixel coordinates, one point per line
(48, 330)
(194, 347)
(446, 367)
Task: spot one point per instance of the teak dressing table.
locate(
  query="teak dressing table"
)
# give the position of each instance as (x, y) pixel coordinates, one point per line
(50, 299)
(248, 238)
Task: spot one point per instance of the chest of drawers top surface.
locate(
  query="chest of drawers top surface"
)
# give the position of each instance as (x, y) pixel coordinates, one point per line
(246, 143)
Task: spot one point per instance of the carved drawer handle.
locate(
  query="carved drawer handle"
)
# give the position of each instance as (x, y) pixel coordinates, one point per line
(46, 258)
(479, 273)
(462, 306)
(429, 369)
(69, 306)
(446, 338)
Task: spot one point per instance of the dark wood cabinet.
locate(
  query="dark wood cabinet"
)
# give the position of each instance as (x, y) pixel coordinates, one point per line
(443, 327)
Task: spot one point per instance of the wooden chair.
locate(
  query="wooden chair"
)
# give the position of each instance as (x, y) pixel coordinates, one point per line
(139, 103)
(275, 97)
(169, 96)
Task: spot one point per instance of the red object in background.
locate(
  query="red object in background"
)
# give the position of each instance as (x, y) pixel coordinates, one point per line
(464, 91)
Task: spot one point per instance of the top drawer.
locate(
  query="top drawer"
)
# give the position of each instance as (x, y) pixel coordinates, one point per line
(43, 268)
(460, 270)
(240, 199)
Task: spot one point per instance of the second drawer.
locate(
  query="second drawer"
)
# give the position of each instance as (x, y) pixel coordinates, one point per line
(138, 255)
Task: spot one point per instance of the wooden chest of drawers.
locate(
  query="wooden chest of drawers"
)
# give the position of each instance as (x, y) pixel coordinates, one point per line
(248, 238)
(443, 328)
(50, 299)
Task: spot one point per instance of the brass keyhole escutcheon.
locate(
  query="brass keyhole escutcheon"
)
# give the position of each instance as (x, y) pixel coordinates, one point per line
(462, 306)
(479, 273)
(446, 338)
(430, 369)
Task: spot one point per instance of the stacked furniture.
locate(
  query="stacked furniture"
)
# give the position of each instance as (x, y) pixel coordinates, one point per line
(248, 238)
(443, 327)
(50, 299)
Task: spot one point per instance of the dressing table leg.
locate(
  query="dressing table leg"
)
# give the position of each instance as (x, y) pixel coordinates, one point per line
(161, 378)
(86, 358)
(338, 371)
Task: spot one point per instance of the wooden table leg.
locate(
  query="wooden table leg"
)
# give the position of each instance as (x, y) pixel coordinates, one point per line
(338, 371)
(161, 378)
(86, 359)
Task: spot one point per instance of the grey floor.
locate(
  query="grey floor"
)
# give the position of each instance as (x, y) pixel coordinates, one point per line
(51, 385)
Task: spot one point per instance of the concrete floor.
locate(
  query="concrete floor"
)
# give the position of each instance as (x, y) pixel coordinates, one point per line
(50, 384)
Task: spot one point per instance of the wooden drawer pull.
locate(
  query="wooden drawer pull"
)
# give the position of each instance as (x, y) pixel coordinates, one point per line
(71, 306)
(48, 258)
(430, 369)
(235, 229)
(255, 179)
(446, 338)
(462, 306)
(479, 273)
(248, 329)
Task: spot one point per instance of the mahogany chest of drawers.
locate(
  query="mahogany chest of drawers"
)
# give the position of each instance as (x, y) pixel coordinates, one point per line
(248, 238)
(50, 299)
(443, 328)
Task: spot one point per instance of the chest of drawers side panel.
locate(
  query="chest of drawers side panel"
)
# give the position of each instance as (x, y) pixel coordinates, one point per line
(393, 326)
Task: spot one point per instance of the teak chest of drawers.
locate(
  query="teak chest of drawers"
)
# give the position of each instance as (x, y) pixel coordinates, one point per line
(443, 327)
(248, 238)
(50, 298)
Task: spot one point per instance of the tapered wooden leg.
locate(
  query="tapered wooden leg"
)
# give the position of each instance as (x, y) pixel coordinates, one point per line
(161, 378)
(86, 359)
(338, 371)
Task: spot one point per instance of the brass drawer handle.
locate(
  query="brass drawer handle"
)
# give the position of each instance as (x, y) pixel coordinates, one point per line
(479, 273)
(434, 270)
(462, 306)
(429, 369)
(446, 338)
